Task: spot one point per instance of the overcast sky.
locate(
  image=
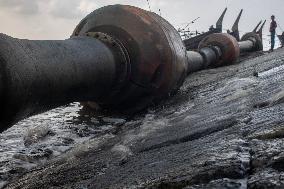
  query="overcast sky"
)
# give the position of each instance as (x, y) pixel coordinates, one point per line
(56, 19)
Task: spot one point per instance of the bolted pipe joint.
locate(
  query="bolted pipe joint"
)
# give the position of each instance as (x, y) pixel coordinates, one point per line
(215, 50)
(251, 42)
(122, 67)
(157, 56)
(210, 54)
(206, 57)
(118, 57)
(224, 46)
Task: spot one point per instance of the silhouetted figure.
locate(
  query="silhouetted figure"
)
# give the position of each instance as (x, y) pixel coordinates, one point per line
(273, 26)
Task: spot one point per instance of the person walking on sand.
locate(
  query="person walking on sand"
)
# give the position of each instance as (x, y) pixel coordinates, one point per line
(272, 30)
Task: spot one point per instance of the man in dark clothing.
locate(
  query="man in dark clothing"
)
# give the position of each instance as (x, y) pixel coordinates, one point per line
(273, 26)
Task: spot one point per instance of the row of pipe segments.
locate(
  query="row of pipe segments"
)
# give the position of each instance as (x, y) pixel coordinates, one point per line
(119, 58)
(193, 42)
(208, 47)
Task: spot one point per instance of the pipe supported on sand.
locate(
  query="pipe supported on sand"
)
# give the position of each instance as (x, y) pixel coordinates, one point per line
(118, 56)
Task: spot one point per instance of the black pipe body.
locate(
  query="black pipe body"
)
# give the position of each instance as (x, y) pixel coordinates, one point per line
(195, 62)
(209, 56)
(36, 76)
(248, 45)
(204, 58)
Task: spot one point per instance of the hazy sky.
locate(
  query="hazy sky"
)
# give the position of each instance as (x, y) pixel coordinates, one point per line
(56, 19)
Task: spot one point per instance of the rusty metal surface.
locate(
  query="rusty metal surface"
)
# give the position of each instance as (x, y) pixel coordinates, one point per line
(122, 65)
(156, 52)
(228, 45)
(192, 43)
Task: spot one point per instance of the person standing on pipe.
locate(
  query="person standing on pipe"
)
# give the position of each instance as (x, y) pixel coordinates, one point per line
(272, 30)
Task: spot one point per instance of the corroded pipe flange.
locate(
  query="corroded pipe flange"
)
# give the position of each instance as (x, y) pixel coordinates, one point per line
(255, 38)
(227, 44)
(122, 66)
(156, 51)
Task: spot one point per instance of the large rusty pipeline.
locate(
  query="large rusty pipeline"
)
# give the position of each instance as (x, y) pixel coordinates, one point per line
(221, 49)
(118, 57)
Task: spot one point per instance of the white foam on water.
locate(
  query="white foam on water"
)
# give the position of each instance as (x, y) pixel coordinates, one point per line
(92, 143)
(49, 135)
(278, 98)
(273, 71)
(150, 125)
(122, 149)
(240, 83)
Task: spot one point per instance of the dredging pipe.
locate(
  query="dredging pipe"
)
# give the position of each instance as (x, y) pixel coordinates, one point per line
(221, 49)
(118, 57)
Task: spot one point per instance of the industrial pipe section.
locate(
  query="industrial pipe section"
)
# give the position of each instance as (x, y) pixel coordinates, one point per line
(118, 56)
(221, 49)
